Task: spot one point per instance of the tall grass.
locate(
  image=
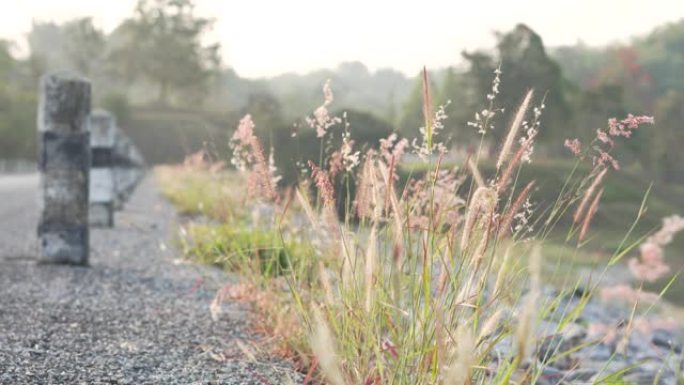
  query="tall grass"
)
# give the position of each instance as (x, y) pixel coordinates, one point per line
(419, 283)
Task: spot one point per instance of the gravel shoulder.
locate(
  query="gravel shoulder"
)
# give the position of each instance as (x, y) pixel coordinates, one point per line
(135, 316)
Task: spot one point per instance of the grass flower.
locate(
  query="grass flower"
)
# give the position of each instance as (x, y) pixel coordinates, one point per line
(513, 130)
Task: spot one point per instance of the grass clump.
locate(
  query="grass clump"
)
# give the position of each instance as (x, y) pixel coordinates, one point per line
(235, 248)
(437, 279)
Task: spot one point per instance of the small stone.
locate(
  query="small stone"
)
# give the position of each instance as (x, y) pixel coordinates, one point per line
(667, 340)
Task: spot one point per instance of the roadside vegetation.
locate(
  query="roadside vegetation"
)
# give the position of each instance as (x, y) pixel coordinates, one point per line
(404, 264)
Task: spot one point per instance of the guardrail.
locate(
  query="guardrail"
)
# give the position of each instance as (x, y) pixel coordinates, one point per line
(88, 168)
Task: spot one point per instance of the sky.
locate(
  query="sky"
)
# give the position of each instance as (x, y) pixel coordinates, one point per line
(265, 38)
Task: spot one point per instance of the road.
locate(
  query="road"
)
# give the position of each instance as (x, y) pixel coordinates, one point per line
(19, 212)
(137, 315)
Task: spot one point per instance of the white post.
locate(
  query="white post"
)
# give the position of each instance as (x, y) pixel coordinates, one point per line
(102, 138)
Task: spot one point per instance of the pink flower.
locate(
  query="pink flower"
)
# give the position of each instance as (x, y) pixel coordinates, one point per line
(322, 120)
(651, 266)
(322, 117)
(400, 148)
(604, 158)
(574, 146)
(625, 126)
(614, 128)
(633, 122)
(391, 148)
(327, 93)
(651, 253)
(627, 293)
(245, 130)
(650, 272)
(603, 137)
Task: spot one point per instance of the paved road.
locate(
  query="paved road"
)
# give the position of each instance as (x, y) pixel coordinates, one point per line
(18, 215)
(136, 316)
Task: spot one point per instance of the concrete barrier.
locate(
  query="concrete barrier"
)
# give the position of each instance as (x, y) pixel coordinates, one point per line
(129, 168)
(65, 166)
(102, 189)
(88, 167)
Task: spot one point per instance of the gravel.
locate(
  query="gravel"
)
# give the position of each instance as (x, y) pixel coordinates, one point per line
(135, 316)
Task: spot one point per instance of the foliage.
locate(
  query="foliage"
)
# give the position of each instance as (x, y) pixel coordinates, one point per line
(162, 43)
(75, 45)
(432, 278)
(527, 66)
(17, 111)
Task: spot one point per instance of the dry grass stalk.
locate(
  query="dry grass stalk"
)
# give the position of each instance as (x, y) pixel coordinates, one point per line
(369, 273)
(526, 326)
(590, 215)
(459, 371)
(397, 220)
(482, 204)
(505, 178)
(501, 275)
(513, 130)
(587, 195)
(262, 171)
(364, 188)
(507, 220)
(490, 325)
(308, 210)
(479, 181)
(322, 345)
(325, 282)
(427, 103)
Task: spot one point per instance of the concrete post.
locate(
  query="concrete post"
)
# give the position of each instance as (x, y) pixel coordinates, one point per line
(102, 138)
(65, 163)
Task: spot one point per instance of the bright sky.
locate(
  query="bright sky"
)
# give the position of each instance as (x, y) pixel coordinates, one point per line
(263, 38)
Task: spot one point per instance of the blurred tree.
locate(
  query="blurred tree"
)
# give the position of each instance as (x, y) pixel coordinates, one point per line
(75, 45)
(661, 54)
(17, 110)
(594, 106)
(162, 43)
(6, 60)
(83, 45)
(525, 65)
(664, 149)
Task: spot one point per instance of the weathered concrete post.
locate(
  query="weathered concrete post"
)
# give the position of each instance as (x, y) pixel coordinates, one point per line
(102, 138)
(65, 163)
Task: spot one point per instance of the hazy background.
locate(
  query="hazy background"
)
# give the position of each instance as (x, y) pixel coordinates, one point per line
(179, 75)
(267, 38)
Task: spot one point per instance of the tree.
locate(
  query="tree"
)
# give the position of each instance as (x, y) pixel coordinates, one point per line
(162, 43)
(17, 110)
(663, 150)
(525, 65)
(75, 45)
(83, 45)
